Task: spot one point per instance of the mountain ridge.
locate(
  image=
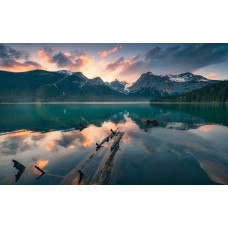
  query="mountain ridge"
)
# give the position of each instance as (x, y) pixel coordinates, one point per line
(211, 93)
(63, 85)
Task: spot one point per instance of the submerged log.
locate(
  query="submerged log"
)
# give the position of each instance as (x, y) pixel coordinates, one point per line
(82, 127)
(153, 122)
(113, 133)
(42, 172)
(18, 165)
(81, 174)
(20, 168)
(98, 146)
(40, 169)
(106, 171)
(106, 139)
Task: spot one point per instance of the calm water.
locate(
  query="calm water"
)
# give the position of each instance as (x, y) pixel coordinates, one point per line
(189, 146)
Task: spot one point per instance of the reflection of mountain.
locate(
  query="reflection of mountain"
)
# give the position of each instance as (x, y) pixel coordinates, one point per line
(212, 113)
(46, 117)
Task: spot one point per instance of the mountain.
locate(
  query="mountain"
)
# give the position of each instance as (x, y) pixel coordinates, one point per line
(96, 81)
(40, 85)
(169, 84)
(63, 85)
(147, 92)
(211, 93)
(120, 86)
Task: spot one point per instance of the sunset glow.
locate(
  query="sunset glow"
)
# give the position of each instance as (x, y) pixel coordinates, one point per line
(121, 61)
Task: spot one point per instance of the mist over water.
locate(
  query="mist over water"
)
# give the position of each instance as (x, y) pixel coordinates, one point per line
(189, 146)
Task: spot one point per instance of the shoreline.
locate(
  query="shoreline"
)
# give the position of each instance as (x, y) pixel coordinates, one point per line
(109, 102)
(75, 102)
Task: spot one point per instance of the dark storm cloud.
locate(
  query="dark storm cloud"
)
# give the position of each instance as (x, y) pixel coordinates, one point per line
(72, 61)
(178, 59)
(14, 60)
(61, 60)
(15, 64)
(9, 53)
(121, 63)
(113, 66)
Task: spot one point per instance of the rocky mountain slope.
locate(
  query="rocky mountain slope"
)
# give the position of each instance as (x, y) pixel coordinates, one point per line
(211, 93)
(40, 85)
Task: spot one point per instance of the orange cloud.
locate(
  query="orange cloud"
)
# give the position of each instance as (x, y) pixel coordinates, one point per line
(41, 163)
(51, 145)
(105, 53)
(79, 63)
(206, 128)
(120, 64)
(16, 66)
(212, 76)
(42, 54)
(72, 61)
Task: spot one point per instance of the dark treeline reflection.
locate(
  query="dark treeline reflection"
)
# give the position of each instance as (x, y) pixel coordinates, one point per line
(46, 117)
(214, 113)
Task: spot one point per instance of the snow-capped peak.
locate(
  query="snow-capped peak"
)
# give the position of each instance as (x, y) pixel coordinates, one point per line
(66, 72)
(185, 77)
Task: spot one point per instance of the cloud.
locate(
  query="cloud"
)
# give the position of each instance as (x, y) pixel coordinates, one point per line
(206, 128)
(74, 61)
(13, 145)
(213, 76)
(41, 163)
(120, 64)
(114, 65)
(14, 60)
(179, 58)
(9, 53)
(105, 53)
(16, 66)
(45, 54)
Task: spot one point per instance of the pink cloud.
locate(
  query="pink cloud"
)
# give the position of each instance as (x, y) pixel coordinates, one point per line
(16, 66)
(73, 61)
(212, 76)
(105, 53)
(120, 64)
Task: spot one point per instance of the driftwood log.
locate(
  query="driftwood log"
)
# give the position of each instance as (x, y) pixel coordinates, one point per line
(106, 171)
(106, 139)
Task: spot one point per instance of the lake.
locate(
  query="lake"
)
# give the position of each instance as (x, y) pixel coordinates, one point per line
(188, 146)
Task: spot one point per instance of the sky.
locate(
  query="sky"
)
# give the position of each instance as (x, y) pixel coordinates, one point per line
(112, 61)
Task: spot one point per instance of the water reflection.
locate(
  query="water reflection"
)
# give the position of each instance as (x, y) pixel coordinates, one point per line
(186, 147)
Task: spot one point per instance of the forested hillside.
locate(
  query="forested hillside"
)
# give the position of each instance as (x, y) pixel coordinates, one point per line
(217, 92)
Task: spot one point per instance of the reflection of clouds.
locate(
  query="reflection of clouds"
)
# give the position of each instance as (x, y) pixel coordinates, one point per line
(41, 163)
(206, 128)
(69, 140)
(50, 145)
(23, 134)
(20, 141)
(211, 159)
(14, 145)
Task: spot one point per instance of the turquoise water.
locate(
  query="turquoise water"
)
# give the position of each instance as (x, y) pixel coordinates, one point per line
(189, 146)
